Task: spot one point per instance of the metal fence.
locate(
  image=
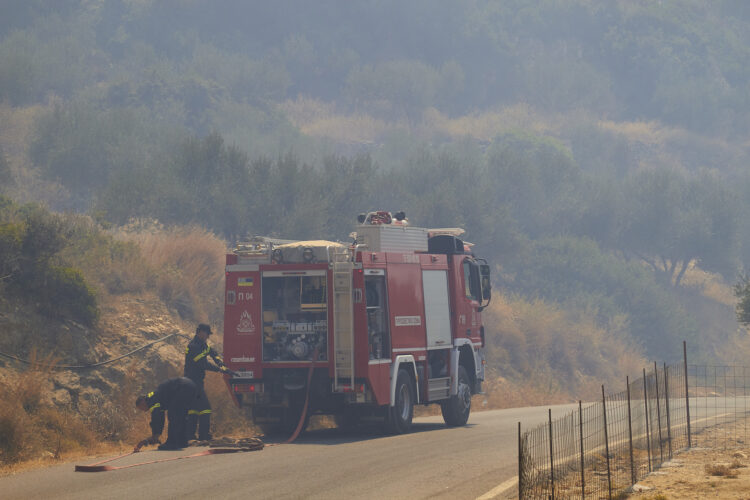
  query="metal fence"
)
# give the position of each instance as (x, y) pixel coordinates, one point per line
(603, 448)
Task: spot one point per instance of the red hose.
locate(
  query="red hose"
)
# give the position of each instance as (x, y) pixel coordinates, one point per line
(98, 467)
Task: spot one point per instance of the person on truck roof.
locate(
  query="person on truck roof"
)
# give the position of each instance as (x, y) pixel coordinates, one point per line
(197, 356)
(171, 399)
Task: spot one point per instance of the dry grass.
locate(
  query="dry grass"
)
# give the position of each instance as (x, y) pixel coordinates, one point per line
(539, 353)
(489, 124)
(722, 470)
(185, 266)
(30, 426)
(226, 418)
(319, 119)
(114, 418)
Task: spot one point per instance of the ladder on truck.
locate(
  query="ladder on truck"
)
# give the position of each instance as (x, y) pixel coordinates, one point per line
(343, 321)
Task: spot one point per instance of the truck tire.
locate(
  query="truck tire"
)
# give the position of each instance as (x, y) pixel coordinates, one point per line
(457, 408)
(399, 416)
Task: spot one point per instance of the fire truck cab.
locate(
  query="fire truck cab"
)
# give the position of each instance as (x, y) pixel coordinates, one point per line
(362, 330)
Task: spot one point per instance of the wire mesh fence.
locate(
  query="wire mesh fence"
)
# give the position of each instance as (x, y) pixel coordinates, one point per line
(602, 448)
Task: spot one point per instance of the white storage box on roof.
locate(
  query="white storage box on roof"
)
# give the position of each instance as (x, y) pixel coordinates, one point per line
(392, 238)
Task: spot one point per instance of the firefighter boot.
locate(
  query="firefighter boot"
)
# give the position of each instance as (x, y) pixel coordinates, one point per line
(204, 427)
(191, 425)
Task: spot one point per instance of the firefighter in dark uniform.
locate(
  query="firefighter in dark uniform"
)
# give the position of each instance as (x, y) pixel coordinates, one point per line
(196, 364)
(172, 399)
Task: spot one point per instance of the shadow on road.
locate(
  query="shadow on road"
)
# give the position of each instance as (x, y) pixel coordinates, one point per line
(362, 432)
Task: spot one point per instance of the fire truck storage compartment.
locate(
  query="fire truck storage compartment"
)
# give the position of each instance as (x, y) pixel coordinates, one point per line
(438, 326)
(388, 238)
(436, 308)
(295, 315)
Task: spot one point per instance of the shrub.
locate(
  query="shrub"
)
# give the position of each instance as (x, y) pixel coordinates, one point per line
(226, 418)
(14, 432)
(11, 236)
(67, 293)
(187, 267)
(722, 470)
(6, 177)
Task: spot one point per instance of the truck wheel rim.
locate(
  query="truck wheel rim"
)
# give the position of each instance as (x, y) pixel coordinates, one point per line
(403, 402)
(464, 395)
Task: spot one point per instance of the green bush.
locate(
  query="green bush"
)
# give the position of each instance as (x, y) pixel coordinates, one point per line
(6, 177)
(576, 272)
(66, 292)
(32, 261)
(11, 237)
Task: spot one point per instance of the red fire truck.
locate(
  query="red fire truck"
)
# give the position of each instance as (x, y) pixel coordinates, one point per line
(362, 330)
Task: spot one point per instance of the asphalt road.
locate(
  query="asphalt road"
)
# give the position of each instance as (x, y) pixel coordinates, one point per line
(432, 461)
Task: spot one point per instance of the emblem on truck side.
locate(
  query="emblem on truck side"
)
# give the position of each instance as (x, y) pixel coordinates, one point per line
(246, 323)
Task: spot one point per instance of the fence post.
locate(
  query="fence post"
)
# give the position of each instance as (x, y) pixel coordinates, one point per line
(580, 435)
(630, 433)
(658, 414)
(520, 464)
(666, 400)
(648, 418)
(606, 443)
(687, 399)
(551, 461)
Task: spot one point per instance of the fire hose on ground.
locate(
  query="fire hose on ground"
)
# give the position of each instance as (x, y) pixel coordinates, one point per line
(217, 447)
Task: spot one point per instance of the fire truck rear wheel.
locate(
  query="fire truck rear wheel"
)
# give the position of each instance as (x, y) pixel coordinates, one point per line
(401, 413)
(456, 409)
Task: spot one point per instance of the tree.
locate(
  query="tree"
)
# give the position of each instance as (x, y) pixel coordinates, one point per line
(671, 221)
(577, 272)
(537, 177)
(742, 292)
(402, 88)
(6, 176)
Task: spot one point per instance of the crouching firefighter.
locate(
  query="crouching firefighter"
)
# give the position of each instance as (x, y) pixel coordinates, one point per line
(172, 399)
(196, 364)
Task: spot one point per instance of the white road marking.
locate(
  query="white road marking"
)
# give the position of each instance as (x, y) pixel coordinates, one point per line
(500, 489)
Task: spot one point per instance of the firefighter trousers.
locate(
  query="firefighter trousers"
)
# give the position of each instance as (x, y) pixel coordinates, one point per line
(177, 413)
(199, 416)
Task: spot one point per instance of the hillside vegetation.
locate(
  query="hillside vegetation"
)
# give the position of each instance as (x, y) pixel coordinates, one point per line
(596, 154)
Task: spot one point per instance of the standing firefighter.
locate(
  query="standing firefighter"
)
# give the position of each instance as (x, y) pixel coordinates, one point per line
(173, 398)
(196, 364)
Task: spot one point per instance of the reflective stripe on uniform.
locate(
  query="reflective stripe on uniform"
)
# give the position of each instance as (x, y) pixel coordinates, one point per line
(199, 412)
(157, 405)
(150, 394)
(202, 354)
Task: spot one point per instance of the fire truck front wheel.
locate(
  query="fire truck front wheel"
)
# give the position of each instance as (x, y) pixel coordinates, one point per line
(457, 408)
(401, 413)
